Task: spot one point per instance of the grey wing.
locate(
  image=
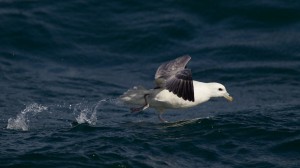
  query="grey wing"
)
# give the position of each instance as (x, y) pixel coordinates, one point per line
(169, 69)
(174, 77)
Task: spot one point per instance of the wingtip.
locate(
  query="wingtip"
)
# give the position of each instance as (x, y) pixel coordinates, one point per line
(188, 99)
(186, 56)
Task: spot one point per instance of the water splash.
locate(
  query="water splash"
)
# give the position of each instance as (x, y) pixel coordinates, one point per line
(21, 122)
(88, 113)
(56, 115)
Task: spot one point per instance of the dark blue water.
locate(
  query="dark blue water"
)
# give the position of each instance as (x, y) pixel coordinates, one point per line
(63, 65)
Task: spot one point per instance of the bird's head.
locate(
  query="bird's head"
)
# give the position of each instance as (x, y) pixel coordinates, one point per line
(219, 90)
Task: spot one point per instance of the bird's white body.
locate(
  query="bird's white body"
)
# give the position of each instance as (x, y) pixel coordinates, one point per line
(163, 99)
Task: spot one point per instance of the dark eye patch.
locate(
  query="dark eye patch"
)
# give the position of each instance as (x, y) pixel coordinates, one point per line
(220, 89)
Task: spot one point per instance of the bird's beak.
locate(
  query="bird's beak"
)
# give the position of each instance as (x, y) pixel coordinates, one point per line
(228, 97)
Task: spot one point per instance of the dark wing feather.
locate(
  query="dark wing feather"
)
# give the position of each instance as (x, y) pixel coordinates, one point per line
(181, 84)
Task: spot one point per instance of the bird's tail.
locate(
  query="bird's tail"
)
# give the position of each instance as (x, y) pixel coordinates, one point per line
(135, 95)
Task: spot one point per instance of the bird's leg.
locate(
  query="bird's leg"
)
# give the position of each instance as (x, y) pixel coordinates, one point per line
(144, 107)
(161, 119)
(160, 112)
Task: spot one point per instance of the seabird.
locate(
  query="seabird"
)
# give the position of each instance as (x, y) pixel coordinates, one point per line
(175, 89)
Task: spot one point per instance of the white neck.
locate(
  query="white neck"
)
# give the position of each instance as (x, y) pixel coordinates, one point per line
(201, 92)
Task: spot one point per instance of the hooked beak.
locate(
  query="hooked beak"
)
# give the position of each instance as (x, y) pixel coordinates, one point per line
(228, 97)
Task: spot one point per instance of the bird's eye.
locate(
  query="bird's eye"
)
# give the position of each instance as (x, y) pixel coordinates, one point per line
(220, 89)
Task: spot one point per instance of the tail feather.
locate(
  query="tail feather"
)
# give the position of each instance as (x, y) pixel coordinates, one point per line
(135, 95)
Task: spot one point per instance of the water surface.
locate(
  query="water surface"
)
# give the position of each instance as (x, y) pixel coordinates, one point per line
(63, 65)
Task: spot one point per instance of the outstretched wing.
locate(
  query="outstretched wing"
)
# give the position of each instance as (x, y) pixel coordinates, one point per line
(174, 77)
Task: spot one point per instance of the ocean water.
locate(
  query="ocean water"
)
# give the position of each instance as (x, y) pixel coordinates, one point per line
(63, 65)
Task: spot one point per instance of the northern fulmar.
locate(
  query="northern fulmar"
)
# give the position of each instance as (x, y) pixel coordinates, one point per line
(175, 88)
